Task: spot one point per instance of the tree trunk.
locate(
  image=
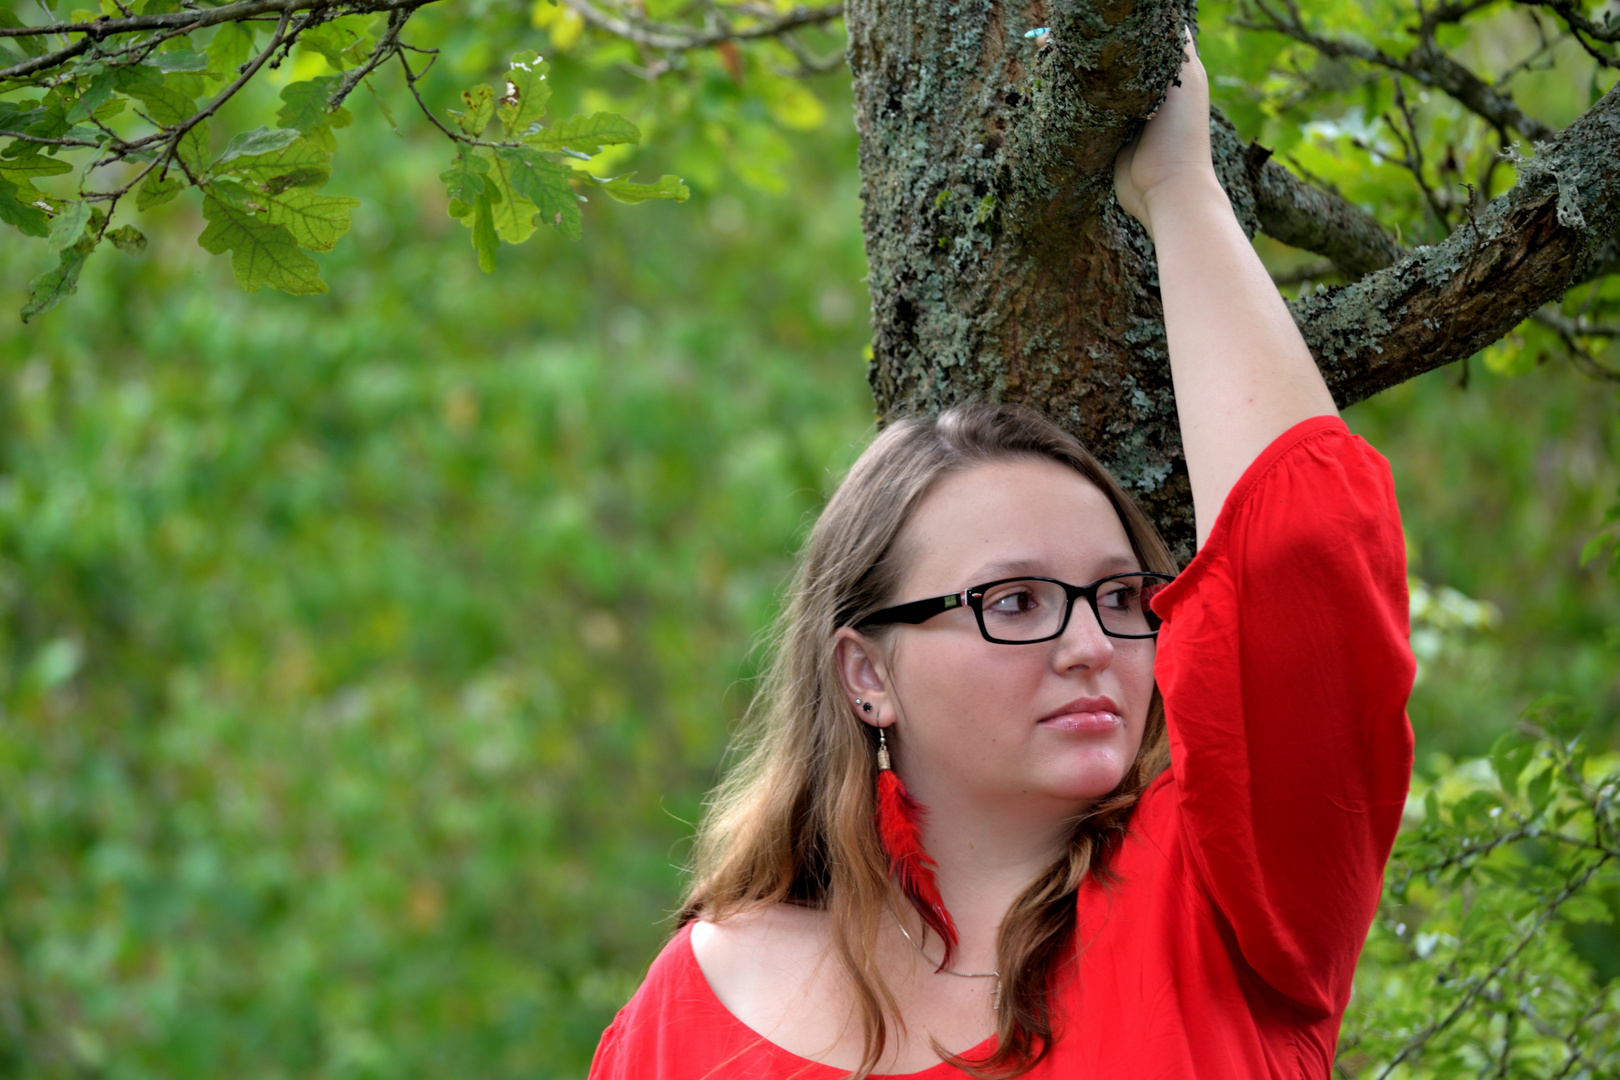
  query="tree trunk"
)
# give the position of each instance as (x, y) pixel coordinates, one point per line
(1002, 268)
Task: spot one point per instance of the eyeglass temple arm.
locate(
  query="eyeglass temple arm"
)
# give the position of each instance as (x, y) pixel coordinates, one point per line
(917, 611)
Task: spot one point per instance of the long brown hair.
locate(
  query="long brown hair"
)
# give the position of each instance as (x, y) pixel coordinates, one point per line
(793, 821)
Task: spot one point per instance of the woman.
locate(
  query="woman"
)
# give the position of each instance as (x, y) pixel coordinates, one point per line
(1105, 882)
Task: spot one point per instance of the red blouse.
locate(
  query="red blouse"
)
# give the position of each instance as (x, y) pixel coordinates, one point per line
(1251, 872)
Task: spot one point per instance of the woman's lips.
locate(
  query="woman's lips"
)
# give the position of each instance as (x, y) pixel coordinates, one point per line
(1084, 715)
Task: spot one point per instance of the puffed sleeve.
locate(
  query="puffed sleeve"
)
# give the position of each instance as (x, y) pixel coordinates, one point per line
(1285, 671)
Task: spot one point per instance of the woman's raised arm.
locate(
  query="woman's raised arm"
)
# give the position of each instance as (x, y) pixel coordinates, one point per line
(1242, 372)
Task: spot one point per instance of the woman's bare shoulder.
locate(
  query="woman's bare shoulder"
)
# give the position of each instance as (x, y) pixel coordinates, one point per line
(769, 940)
(772, 968)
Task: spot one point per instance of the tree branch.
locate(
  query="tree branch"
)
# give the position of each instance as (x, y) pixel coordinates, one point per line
(675, 38)
(190, 20)
(1570, 331)
(386, 47)
(1301, 215)
(1445, 302)
(1427, 63)
(1316, 271)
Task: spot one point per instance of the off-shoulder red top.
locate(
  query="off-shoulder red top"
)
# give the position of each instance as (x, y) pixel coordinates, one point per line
(1225, 946)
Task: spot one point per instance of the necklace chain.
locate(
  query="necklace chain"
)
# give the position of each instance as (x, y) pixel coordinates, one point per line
(996, 975)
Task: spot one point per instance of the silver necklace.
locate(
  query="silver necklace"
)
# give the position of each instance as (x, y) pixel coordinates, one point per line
(995, 995)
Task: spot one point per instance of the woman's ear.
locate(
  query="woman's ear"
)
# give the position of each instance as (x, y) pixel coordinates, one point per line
(863, 678)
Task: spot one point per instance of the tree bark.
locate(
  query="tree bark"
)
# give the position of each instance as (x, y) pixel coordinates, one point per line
(1002, 269)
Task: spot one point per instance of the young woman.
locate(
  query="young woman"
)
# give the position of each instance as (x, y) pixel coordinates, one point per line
(1146, 824)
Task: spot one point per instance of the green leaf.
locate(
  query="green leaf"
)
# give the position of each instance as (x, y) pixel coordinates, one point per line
(29, 219)
(544, 183)
(179, 60)
(464, 179)
(1594, 547)
(18, 115)
(94, 97)
(168, 106)
(33, 45)
(128, 239)
(68, 228)
(303, 162)
(586, 134)
(382, 106)
(1539, 790)
(627, 191)
(158, 188)
(137, 75)
(1587, 908)
(483, 238)
(261, 253)
(514, 213)
(480, 102)
(163, 103)
(230, 48)
(52, 121)
(315, 221)
(57, 283)
(255, 143)
(32, 163)
(527, 92)
(234, 193)
(343, 42)
(306, 110)
(1509, 755)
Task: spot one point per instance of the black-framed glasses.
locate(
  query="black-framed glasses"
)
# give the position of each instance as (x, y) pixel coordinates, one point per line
(1019, 611)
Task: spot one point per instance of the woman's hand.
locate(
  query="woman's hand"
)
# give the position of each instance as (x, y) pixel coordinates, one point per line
(1172, 153)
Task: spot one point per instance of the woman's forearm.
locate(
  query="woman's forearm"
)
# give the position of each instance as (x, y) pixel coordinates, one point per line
(1242, 372)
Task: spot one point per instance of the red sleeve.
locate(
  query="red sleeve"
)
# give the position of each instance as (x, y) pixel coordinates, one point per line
(1285, 670)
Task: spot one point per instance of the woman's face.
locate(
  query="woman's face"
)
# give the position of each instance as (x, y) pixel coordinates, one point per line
(1055, 722)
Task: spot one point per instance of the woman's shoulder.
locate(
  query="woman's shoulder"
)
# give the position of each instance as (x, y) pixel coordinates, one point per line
(787, 931)
(761, 964)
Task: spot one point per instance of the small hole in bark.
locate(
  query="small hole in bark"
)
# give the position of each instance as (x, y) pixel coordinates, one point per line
(905, 315)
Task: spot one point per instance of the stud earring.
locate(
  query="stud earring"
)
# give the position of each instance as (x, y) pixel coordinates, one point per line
(866, 706)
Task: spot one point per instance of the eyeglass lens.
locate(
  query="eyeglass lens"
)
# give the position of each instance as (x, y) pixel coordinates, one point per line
(1028, 610)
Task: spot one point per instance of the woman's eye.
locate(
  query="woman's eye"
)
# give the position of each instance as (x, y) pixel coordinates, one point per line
(1121, 599)
(1013, 602)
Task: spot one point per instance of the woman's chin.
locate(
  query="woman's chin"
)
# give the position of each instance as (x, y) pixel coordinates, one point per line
(1096, 780)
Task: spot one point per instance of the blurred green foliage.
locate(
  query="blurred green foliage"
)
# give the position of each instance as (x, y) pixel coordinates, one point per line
(364, 658)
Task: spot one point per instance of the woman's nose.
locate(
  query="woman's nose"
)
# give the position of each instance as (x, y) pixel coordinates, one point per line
(1083, 643)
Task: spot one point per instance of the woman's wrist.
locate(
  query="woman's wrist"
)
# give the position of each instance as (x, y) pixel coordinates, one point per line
(1190, 197)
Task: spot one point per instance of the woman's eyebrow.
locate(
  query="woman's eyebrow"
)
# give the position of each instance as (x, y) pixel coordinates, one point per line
(1117, 563)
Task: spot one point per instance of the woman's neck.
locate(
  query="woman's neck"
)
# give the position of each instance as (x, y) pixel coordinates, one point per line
(985, 860)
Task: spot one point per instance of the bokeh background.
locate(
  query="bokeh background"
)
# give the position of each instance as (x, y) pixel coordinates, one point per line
(365, 658)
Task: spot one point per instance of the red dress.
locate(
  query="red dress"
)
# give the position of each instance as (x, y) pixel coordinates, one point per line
(1252, 868)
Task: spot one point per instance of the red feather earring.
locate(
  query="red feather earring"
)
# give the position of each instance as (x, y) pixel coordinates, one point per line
(899, 824)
